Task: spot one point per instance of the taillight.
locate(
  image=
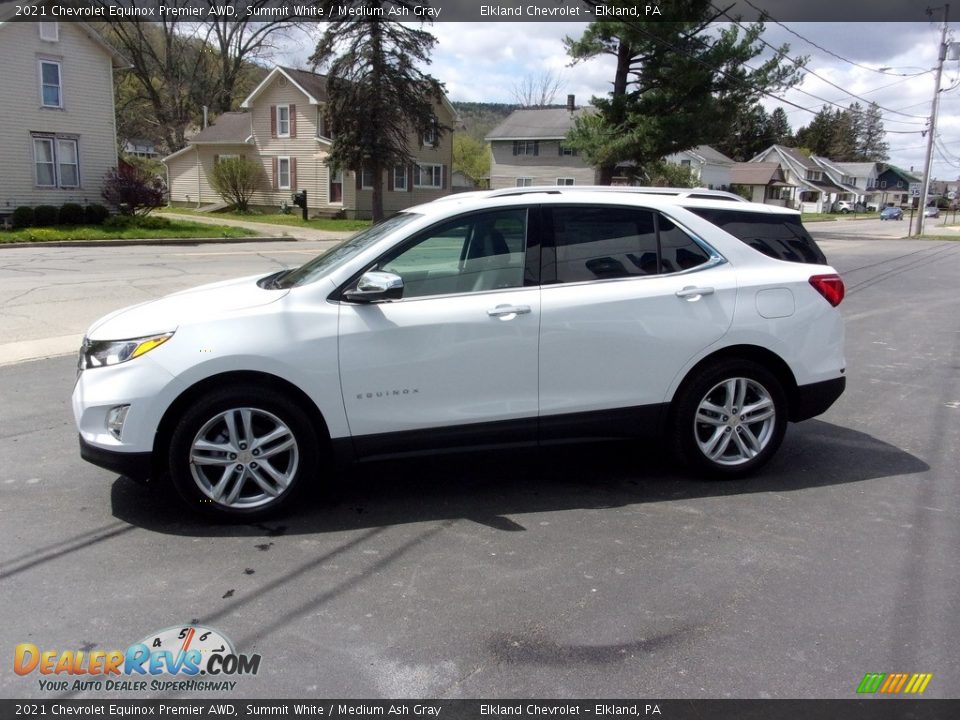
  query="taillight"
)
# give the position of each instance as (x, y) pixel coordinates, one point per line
(830, 286)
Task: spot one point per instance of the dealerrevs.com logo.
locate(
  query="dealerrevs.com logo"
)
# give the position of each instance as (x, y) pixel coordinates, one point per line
(894, 683)
(170, 660)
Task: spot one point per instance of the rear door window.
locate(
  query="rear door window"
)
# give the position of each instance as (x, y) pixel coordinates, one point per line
(779, 236)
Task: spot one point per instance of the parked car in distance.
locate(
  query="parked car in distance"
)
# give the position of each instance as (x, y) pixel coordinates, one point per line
(891, 213)
(931, 211)
(485, 322)
(844, 206)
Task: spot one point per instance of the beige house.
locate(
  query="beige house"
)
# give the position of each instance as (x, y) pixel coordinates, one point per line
(528, 149)
(282, 125)
(58, 136)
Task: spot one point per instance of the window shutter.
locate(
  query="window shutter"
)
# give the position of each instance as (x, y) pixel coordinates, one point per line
(293, 173)
(276, 174)
(443, 177)
(273, 121)
(410, 179)
(216, 159)
(359, 176)
(515, 144)
(293, 121)
(536, 147)
(390, 173)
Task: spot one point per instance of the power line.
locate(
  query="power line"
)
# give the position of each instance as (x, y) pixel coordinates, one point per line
(812, 72)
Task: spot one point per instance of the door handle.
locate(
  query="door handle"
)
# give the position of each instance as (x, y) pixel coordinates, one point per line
(507, 312)
(692, 293)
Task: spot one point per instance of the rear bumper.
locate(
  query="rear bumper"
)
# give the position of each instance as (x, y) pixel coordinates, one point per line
(813, 399)
(136, 466)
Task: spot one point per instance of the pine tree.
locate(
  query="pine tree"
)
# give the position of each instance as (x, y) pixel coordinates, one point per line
(377, 97)
(817, 135)
(780, 127)
(871, 145)
(676, 85)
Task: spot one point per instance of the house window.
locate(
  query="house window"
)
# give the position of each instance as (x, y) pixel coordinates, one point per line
(283, 121)
(336, 186)
(57, 162)
(400, 178)
(526, 147)
(428, 176)
(366, 179)
(684, 163)
(49, 31)
(524, 182)
(430, 137)
(283, 172)
(883, 183)
(68, 163)
(221, 158)
(814, 175)
(566, 181)
(50, 91)
(567, 151)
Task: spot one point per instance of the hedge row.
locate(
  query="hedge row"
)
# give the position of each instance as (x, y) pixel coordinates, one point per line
(66, 214)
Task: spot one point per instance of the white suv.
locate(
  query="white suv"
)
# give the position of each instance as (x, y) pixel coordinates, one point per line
(486, 321)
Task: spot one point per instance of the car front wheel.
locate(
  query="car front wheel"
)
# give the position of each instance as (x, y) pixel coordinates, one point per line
(730, 419)
(242, 453)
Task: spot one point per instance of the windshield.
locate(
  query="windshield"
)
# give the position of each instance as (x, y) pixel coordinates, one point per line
(339, 254)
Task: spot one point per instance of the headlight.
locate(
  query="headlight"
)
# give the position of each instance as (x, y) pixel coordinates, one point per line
(101, 353)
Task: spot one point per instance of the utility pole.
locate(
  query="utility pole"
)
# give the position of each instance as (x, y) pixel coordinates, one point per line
(932, 130)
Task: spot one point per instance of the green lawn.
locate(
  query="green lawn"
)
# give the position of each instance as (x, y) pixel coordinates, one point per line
(817, 217)
(177, 229)
(293, 219)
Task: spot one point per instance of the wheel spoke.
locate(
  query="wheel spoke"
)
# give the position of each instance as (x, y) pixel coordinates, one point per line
(199, 459)
(278, 477)
(757, 411)
(730, 387)
(285, 445)
(263, 483)
(216, 492)
(231, 421)
(751, 441)
(275, 434)
(710, 446)
(237, 487)
(207, 446)
(745, 452)
(720, 449)
(741, 392)
(246, 417)
(703, 417)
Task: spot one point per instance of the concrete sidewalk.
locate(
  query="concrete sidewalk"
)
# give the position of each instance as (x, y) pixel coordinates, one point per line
(269, 229)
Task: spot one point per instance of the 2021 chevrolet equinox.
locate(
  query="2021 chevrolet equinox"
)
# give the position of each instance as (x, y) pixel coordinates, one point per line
(500, 319)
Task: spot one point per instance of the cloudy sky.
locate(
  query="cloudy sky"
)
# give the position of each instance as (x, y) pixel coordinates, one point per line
(483, 61)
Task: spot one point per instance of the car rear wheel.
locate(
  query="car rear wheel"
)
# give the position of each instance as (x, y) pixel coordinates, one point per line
(242, 453)
(729, 419)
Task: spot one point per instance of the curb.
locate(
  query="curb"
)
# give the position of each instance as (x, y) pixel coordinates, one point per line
(151, 241)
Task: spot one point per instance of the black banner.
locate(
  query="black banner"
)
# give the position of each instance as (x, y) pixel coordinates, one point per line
(872, 709)
(455, 10)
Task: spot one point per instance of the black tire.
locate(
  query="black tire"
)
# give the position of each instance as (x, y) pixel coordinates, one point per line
(292, 456)
(711, 383)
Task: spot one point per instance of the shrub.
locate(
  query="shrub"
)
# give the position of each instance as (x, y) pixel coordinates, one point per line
(118, 222)
(23, 216)
(236, 179)
(42, 234)
(95, 214)
(122, 222)
(45, 215)
(71, 214)
(133, 190)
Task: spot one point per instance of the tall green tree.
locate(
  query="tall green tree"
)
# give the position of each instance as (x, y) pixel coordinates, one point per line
(750, 133)
(872, 145)
(818, 135)
(471, 157)
(780, 127)
(676, 84)
(377, 96)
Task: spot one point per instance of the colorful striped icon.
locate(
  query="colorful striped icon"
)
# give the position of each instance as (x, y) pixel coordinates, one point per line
(895, 683)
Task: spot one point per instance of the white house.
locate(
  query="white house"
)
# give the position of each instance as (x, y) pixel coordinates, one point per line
(282, 126)
(710, 167)
(58, 135)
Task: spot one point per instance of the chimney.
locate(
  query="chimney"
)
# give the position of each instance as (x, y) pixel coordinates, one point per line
(571, 103)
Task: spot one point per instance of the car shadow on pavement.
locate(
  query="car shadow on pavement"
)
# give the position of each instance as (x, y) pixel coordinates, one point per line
(497, 488)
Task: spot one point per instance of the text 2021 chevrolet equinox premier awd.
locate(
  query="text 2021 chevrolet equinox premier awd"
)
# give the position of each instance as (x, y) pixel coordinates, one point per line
(499, 319)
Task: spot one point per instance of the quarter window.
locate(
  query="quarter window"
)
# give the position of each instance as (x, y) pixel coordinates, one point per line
(779, 236)
(50, 87)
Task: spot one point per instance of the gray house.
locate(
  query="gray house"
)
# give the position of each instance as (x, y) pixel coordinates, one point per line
(710, 167)
(58, 136)
(528, 149)
(814, 184)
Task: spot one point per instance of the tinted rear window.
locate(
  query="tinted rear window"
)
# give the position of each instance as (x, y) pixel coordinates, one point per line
(780, 236)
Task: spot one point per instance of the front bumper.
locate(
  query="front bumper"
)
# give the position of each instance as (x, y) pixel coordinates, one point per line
(134, 465)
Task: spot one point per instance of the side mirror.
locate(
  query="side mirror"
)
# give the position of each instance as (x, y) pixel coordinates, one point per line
(375, 286)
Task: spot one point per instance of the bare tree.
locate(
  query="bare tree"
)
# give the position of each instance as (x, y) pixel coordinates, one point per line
(537, 90)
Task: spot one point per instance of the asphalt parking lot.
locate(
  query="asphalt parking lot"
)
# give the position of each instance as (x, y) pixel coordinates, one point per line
(592, 571)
